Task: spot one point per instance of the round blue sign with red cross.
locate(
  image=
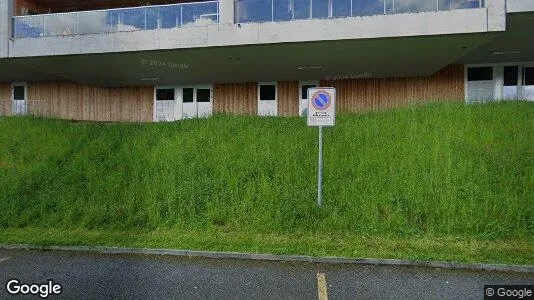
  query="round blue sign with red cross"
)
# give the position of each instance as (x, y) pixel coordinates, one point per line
(321, 100)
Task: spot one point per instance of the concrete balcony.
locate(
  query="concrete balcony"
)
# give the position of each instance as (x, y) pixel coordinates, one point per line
(217, 24)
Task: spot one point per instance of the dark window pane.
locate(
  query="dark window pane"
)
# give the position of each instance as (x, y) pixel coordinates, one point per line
(511, 75)
(267, 92)
(187, 95)
(304, 91)
(203, 95)
(18, 93)
(165, 94)
(479, 73)
(528, 75)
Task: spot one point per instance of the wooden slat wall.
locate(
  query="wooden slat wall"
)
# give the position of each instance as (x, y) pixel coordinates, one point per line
(382, 93)
(236, 98)
(288, 98)
(5, 99)
(69, 100)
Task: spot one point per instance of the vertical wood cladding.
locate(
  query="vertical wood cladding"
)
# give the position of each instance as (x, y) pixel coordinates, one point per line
(69, 100)
(5, 99)
(236, 98)
(382, 93)
(288, 98)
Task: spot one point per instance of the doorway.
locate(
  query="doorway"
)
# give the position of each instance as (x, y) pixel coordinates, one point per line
(19, 92)
(197, 101)
(267, 99)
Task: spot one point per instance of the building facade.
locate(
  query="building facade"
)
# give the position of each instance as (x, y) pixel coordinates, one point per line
(132, 60)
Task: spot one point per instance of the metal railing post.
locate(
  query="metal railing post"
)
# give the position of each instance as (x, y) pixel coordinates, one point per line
(272, 10)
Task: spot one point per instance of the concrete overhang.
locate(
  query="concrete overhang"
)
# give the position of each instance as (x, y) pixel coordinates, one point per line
(516, 44)
(388, 57)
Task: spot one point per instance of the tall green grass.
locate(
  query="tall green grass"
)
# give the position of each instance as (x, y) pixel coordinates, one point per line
(437, 170)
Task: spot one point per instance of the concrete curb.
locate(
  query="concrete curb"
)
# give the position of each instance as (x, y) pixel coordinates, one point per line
(281, 258)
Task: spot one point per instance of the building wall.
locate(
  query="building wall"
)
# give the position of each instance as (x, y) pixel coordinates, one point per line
(236, 98)
(68, 100)
(381, 93)
(288, 98)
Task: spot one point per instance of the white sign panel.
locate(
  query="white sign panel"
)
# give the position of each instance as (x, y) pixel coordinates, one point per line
(321, 106)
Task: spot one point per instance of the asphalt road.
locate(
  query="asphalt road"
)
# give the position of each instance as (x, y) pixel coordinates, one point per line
(112, 276)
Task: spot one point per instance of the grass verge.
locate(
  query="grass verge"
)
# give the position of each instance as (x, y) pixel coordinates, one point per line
(519, 252)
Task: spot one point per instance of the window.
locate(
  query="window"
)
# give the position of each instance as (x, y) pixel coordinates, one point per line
(164, 94)
(187, 95)
(480, 73)
(268, 92)
(528, 75)
(511, 75)
(203, 95)
(304, 91)
(19, 92)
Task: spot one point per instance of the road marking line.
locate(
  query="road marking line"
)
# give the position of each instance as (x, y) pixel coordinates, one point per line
(4, 259)
(321, 287)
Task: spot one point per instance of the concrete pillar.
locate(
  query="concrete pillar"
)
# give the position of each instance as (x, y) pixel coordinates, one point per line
(6, 14)
(226, 11)
(496, 15)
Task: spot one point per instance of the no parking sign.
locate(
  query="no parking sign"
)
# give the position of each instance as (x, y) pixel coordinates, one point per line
(321, 112)
(322, 106)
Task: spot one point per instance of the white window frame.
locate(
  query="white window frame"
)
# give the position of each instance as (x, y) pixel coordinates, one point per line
(521, 78)
(164, 87)
(498, 77)
(269, 106)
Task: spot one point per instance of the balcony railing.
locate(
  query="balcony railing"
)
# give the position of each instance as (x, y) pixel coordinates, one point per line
(117, 20)
(287, 10)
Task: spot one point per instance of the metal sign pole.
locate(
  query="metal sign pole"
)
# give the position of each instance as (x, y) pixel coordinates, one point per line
(320, 175)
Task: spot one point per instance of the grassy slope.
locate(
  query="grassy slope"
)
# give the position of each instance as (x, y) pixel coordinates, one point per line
(442, 181)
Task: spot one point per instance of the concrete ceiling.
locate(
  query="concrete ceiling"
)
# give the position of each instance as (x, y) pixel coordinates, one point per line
(517, 41)
(392, 57)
